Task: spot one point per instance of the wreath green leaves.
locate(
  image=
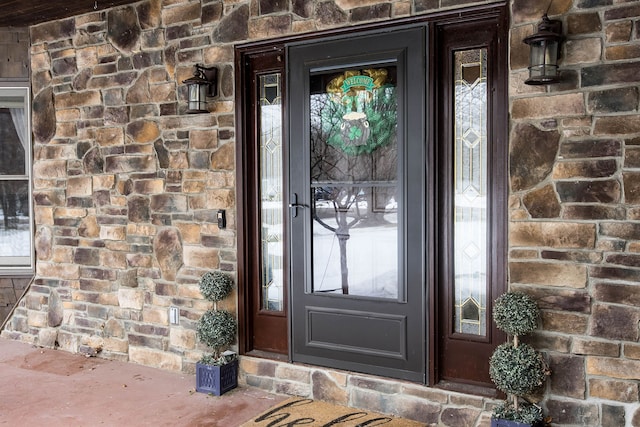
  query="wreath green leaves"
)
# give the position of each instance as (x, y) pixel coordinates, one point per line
(381, 115)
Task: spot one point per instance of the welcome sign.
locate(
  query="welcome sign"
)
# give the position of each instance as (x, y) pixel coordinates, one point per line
(358, 81)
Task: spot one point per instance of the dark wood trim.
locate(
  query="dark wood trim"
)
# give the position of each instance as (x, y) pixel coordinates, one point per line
(20, 13)
(250, 64)
(432, 180)
(454, 365)
(240, 107)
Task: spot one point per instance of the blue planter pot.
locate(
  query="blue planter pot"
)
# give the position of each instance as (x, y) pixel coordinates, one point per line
(216, 380)
(499, 422)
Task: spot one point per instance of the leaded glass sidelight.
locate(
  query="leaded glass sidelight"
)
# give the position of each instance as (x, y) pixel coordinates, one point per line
(470, 183)
(271, 201)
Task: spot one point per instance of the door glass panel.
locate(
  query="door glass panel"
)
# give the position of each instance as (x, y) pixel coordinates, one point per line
(354, 182)
(470, 221)
(271, 177)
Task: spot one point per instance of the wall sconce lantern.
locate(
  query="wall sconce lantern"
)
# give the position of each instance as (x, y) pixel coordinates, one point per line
(545, 52)
(203, 84)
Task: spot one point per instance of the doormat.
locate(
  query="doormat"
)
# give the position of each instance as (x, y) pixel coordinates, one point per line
(312, 413)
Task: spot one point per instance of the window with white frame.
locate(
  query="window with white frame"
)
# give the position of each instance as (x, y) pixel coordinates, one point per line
(16, 225)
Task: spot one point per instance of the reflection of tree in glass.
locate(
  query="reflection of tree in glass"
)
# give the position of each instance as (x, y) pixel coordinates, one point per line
(353, 178)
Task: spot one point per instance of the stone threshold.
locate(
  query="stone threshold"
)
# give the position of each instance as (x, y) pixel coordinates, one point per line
(418, 402)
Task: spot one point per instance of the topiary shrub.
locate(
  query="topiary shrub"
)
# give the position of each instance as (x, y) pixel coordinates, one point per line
(215, 285)
(516, 313)
(517, 369)
(216, 328)
(526, 412)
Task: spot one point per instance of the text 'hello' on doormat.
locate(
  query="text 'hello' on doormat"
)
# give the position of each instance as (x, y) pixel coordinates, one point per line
(297, 412)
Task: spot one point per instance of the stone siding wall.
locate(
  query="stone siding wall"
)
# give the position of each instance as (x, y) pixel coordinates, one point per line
(431, 406)
(127, 186)
(574, 233)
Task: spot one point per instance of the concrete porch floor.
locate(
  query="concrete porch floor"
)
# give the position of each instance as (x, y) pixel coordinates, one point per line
(52, 388)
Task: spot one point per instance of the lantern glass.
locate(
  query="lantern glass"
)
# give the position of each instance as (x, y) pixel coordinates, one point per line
(544, 52)
(543, 62)
(197, 97)
(203, 84)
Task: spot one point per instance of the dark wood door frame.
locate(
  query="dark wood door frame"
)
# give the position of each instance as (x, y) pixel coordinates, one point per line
(491, 14)
(250, 63)
(450, 351)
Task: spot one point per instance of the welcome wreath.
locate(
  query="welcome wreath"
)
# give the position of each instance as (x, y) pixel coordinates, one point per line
(362, 113)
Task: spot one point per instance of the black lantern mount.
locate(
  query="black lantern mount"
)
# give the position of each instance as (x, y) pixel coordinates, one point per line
(203, 84)
(545, 52)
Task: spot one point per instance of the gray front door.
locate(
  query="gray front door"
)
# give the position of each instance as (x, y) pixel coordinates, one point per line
(356, 187)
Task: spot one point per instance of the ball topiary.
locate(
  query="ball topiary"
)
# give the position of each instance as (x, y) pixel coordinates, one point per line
(527, 413)
(215, 285)
(517, 370)
(216, 329)
(516, 313)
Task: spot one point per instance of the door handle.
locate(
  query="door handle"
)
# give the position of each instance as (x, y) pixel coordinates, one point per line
(295, 205)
